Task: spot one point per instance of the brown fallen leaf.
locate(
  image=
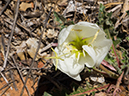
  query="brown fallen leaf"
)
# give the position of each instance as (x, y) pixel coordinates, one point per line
(125, 6)
(51, 33)
(2, 56)
(32, 45)
(35, 13)
(24, 6)
(20, 50)
(21, 55)
(40, 64)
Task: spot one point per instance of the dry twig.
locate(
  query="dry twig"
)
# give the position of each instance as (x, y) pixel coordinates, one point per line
(36, 52)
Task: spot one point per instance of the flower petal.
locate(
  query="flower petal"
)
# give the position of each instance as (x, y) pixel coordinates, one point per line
(70, 66)
(102, 41)
(88, 29)
(91, 59)
(102, 52)
(83, 38)
(101, 46)
(64, 34)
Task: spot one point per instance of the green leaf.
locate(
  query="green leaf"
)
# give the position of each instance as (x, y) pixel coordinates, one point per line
(127, 12)
(102, 7)
(108, 22)
(62, 26)
(59, 18)
(127, 38)
(93, 93)
(124, 56)
(116, 42)
(46, 94)
(109, 14)
(69, 23)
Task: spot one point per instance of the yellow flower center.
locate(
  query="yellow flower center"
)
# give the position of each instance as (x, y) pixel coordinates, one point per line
(76, 47)
(79, 42)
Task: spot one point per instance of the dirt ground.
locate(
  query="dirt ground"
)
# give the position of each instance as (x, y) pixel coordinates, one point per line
(19, 85)
(26, 24)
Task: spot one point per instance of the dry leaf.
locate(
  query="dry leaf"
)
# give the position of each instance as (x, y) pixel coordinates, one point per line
(2, 56)
(32, 43)
(40, 64)
(125, 6)
(24, 6)
(21, 55)
(51, 33)
(72, 7)
(97, 79)
(20, 50)
(2, 52)
(30, 46)
(35, 13)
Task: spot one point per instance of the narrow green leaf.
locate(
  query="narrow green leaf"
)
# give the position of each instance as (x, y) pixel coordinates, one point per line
(102, 7)
(59, 18)
(127, 38)
(46, 94)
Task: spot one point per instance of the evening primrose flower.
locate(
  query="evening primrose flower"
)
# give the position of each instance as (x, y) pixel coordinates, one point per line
(78, 45)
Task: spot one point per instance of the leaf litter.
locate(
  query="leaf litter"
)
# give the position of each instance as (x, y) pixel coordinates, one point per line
(35, 21)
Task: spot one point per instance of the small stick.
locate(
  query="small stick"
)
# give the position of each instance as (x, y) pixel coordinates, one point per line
(117, 60)
(12, 77)
(117, 86)
(6, 80)
(35, 53)
(8, 1)
(7, 84)
(12, 31)
(110, 73)
(119, 80)
(21, 76)
(3, 44)
(5, 90)
(92, 90)
(48, 46)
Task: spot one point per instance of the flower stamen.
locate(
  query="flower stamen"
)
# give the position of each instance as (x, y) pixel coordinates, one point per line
(56, 57)
(79, 30)
(95, 36)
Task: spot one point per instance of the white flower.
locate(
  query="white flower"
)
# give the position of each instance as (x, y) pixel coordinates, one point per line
(79, 45)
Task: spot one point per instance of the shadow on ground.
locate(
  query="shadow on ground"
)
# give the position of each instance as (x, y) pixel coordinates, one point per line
(56, 84)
